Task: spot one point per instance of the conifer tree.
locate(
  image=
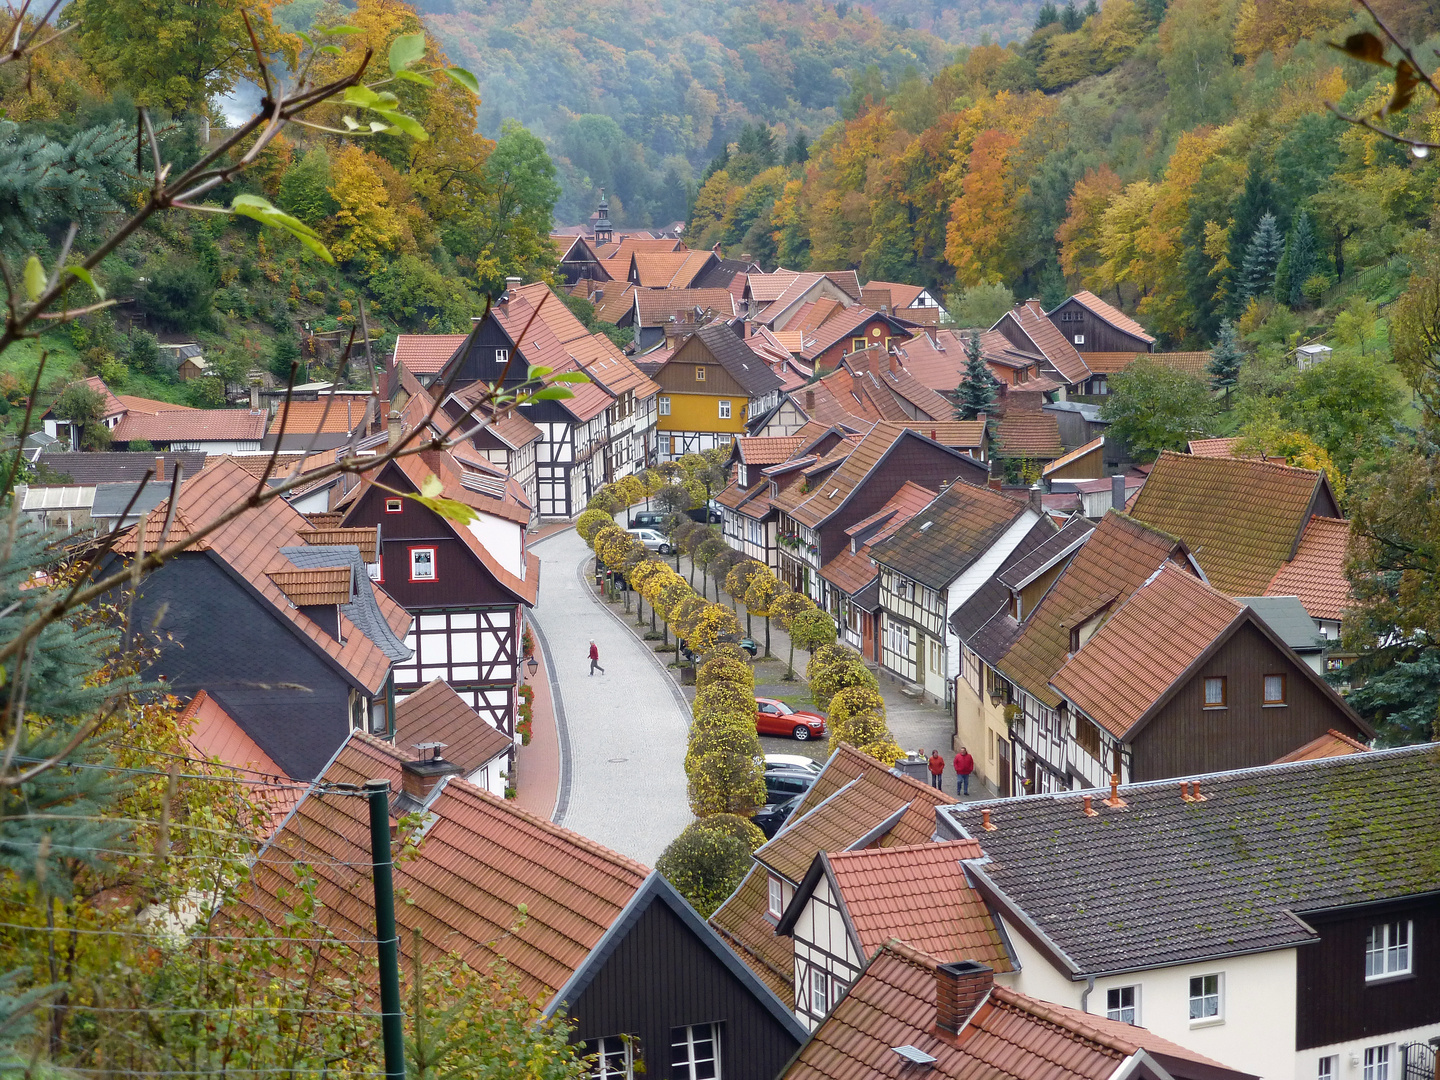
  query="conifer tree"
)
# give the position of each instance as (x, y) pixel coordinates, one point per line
(976, 394)
(1262, 258)
(1302, 259)
(1225, 360)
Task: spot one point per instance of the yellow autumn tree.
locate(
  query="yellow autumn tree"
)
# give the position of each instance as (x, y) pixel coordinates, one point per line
(366, 227)
(977, 240)
(1275, 25)
(1079, 233)
(1122, 230)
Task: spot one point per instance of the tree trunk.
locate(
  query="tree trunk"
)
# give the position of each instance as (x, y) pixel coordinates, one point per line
(790, 664)
(767, 637)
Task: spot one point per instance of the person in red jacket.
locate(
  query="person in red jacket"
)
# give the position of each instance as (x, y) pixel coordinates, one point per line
(595, 658)
(964, 766)
(937, 768)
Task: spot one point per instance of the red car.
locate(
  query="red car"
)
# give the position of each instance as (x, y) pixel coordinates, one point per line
(776, 718)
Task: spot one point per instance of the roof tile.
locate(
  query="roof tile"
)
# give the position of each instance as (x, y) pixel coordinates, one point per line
(436, 713)
(1317, 572)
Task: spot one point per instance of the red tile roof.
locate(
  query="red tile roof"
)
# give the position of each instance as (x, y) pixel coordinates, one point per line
(656, 307)
(610, 369)
(617, 302)
(1028, 435)
(192, 425)
(1317, 572)
(1111, 314)
(670, 269)
(367, 539)
(956, 434)
(1126, 668)
(144, 404)
(481, 861)
(1192, 363)
(309, 588)
(1332, 744)
(425, 354)
(901, 296)
(830, 496)
(216, 736)
(1044, 335)
(920, 895)
(1010, 1035)
(767, 450)
(333, 413)
(1213, 447)
(436, 713)
(250, 545)
(112, 403)
(768, 287)
(543, 348)
(852, 571)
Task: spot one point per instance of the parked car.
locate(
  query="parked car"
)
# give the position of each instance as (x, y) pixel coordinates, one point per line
(794, 761)
(748, 644)
(770, 817)
(784, 782)
(776, 718)
(705, 515)
(652, 540)
(649, 519)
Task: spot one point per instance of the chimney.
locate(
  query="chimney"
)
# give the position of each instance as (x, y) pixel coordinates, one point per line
(1117, 492)
(959, 989)
(1114, 801)
(982, 417)
(420, 777)
(809, 400)
(159, 466)
(1033, 498)
(255, 396)
(894, 364)
(392, 426)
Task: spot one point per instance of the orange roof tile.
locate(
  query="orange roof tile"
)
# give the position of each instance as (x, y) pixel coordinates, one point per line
(481, 860)
(616, 299)
(215, 735)
(1126, 668)
(367, 539)
(332, 414)
(1110, 363)
(1241, 518)
(1192, 363)
(956, 434)
(112, 403)
(670, 269)
(150, 405)
(425, 354)
(829, 497)
(327, 585)
(436, 713)
(1332, 744)
(1317, 572)
(920, 895)
(901, 296)
(1028, 435)
(767, 450)
(611, 369)
(656, 307)
(1111, 314)
(1044, 335)
(1213, 447)
(192, 425)
(765, 288)
(1117, 558)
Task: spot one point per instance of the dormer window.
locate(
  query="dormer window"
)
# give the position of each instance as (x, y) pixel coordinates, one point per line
(394, 506)
(776, 900)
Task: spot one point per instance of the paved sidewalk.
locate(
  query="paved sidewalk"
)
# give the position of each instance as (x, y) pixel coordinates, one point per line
(622, 732)
(538, 765)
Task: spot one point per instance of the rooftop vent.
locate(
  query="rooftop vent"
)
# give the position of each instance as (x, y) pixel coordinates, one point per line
(913, 1055)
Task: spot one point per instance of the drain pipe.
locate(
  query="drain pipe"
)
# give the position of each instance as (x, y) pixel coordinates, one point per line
(1085, 994)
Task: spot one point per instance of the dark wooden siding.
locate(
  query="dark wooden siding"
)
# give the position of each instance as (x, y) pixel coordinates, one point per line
(1072, 318)
(1185, 738)
(1032, 594)
(1091, 466)
(912, 459)
(1334, 1002)
(222, 639)
(677, 376)
(662, 977)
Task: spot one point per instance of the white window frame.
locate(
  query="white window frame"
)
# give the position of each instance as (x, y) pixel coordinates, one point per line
(1390, 956)
(1377, 1062)
(614, 1059)
(684, 1039)
(724, 409)
(502, 356)
(1327, 1067)
(1115, 1007)
(1199, 1002)
(1079, 339)
(664, 404)
(433, 575)
(775, 901)
(819, 991)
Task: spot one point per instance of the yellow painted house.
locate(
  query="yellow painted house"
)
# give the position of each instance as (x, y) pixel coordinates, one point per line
(710, 388)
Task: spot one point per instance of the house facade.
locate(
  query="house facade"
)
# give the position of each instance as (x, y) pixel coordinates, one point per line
(710, 387)
(1092, 325)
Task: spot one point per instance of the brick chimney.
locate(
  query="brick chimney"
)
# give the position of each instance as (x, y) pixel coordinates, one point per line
(809, 400)
(1033, 498)
(1117, 491)
(393, 428)
(419, 778)
(159, 466)
(894, 363)
(959, 988)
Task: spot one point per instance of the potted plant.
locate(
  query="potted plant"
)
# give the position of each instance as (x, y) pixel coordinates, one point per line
(527, 714)
(527, 642)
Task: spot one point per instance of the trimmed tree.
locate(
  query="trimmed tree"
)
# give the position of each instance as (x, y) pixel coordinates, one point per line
(811, 629)
(785, 607)
(724, 770)
(764, 589)
(709, 859)
(590, 522)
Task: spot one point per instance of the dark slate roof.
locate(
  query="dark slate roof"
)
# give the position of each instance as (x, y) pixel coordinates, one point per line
(1286, 615)
(1059, 545)
(112, 499)
(737, 358)
(940, 542)
(364, 609)
(1162, 881)
(116, 466)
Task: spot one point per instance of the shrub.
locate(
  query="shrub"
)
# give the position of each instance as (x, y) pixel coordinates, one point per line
(144, 446)
(143, 354)
(714, 622)
(723, 766)
(590, 522)
(604, 500)
(685, 613)
(841, 675)
(725, 669)
(851, 702)
(722, 703)
(179, 294)
(811, 629)
(886, 750)
(788, 605)
(708, 860)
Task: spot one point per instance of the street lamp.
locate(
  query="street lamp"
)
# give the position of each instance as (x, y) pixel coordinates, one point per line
(533, 666)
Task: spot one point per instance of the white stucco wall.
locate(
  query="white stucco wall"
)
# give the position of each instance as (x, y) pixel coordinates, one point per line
(491, 776)
(1256, 1030)
(501, 539)
(1350, 1063)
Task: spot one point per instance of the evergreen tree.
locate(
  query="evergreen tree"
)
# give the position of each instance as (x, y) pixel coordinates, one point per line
(758, 141)
(1300, 250)
(977, 392)
(43, 181)
(1256, 200)
(1225, 360)
(1262, 257)
(1047, 15)
(1071, 19)
(798, 151)
(1091, 8)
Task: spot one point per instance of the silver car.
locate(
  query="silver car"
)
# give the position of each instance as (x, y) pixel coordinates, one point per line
(652, 540)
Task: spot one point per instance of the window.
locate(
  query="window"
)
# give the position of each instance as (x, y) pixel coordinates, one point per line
(502, 356)
(664, 405)
(819, 991)
(394, 506)
(777, 891)
(1079, 339)
(1120, 1004)
(1215, 692)
(724, 410)
(1274, 689)
(857, 344)
(1205, 998)
(422, 564)
(935, 657)
(612, 1058)
(695, 1052)
(1387, 950)
(1377, 1062)
(1087, 737)
(1326, 1069)
(699, 372)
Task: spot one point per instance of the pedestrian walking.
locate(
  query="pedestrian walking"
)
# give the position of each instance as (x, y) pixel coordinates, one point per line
(595, 658)
(937, 768)
(964, 766)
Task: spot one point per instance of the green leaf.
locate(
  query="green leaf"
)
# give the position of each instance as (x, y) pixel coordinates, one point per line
(361, 95)
(402, 124)
(535, 371)
(405, 50)
(552, 393)
(332, 50)
(84, 275)
(447, 508)
(253, 206)
(1364, 46)
(432, 486)
(339, 31)
(465, 79)
(350, 122)
(305, 38)
(34, 278)
(411, 76)
(573, 376)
